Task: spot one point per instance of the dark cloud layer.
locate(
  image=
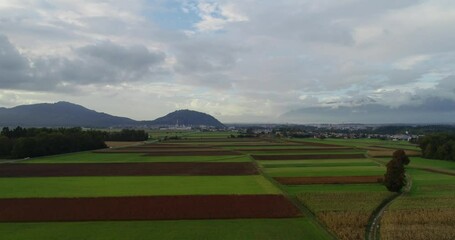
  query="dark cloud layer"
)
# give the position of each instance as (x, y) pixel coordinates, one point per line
(13, 66)
(101, 63)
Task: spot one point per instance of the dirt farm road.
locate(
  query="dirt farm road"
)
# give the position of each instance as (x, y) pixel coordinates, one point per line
(373, 229)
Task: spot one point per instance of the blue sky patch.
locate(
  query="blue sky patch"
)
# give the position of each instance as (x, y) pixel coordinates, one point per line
(171, 15)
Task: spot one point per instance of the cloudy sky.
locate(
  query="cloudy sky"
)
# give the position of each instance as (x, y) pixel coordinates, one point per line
(297, 61)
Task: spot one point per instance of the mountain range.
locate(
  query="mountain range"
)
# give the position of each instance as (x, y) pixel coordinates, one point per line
(65, 114)
(367, 111)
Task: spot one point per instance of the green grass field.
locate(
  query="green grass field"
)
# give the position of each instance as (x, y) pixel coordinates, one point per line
(343, 208)
(155, 134)
(318, 163)
(325, 171)
(334, 188)
(429, 190)
(218, 134)
(363, 143)
(133, 186)
(325, 152)
(432, 163)
(90, 157)
(273, 229)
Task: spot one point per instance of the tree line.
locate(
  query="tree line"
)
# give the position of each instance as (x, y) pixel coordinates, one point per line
(438, 146)
(34, 142)
(127, 135)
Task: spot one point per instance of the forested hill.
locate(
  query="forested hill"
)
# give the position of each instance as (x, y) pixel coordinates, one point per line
(188, 118)
(60, 114)
(65, 114)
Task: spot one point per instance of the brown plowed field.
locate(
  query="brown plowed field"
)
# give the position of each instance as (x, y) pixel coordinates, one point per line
(128, 169)
(171, 153)
(291, 149)
(389, 153)
(147, 150)
(121, 144)
(227, 140)
(164, 146)
(388, 147)
(307, 156)
(194, 153)
(328, 180)
(316, 144)
(258, 145)
(146, 208)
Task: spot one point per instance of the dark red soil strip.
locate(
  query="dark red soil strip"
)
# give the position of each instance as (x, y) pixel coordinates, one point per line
(391, 148)
(320, 144)
(194, 153)
(146, 208)
(261, 145)
(181, 149)
(316, 144)
(172, 147)
(291, 149)
(329, 180)
(390, 156)
(128, 169)
(171, 153)
(162, 146)
(227, 140)
(307, 156)
(409, 153)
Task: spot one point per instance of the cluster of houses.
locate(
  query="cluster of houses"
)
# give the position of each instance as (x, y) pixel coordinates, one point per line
(345, 132)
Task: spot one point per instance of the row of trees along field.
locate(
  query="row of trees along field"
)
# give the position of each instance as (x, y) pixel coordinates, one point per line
(438, 146)
(127, 135)
(34, 142)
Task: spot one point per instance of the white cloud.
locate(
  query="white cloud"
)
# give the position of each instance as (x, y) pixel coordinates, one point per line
(215, 16)
(409, 62)
(241, 60)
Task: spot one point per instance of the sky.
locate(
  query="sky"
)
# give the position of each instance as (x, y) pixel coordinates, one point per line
(267, 61)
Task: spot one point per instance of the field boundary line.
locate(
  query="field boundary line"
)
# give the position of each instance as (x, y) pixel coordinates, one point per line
(428, 169)
(306, 211)
(436, 170)
(6, 161)
(140, 143)
(374, 223)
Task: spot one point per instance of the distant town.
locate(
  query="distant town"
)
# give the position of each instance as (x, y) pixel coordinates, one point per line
(399, 132)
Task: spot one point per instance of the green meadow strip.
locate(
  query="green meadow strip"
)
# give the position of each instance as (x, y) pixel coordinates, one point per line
(133, 186)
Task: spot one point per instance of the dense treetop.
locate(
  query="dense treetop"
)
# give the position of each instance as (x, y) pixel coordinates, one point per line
(438, 146)
(33, 142)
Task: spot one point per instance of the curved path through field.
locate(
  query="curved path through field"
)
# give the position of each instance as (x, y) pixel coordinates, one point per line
(373, 227)
(306, 212)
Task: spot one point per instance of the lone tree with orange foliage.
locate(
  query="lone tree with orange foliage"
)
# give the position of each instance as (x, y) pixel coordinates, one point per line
(395, 178)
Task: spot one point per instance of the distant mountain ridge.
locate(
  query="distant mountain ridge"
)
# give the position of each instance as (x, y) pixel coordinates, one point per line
(430, 110)
(65, 114)
(60, 114)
